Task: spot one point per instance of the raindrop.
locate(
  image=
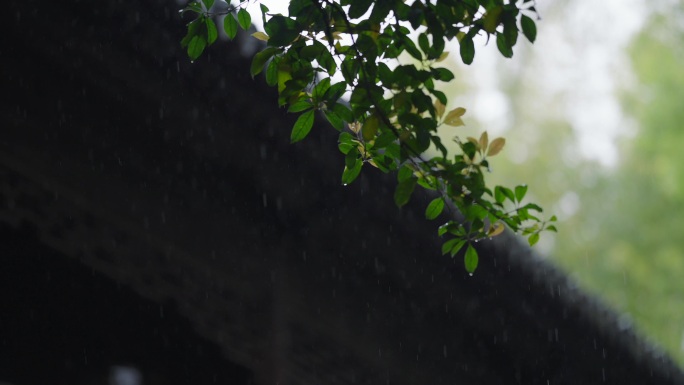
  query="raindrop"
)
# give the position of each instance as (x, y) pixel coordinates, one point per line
(344, 184)
(470, 274)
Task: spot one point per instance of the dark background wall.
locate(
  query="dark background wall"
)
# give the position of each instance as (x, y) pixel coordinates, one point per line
(176, 181)
(64, 323)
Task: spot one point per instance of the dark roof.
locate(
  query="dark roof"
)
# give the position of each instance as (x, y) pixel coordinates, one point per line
(177, 180)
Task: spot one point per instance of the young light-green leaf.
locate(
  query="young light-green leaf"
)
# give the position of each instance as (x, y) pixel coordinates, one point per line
(434, 208)
(302, 126)
(471, 259)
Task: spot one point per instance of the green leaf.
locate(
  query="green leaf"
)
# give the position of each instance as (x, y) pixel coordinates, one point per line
(443, 74)
(260, 59)
(384, 139)
(300, 106)
(404, 173)
(230, 26)
(208, 3)
(196, 46)
(533, 207)
(359, 7)
(244, 19)
(434, 208)
(503, 45)
(508, 193)
(534, 238)
(352, 157)
(281, 30)
(334, 93)
(193, 7)
(272, 73)
(470, 259)
(404, 191)
(212, 32)
(467, 50)
(193, 30)
(345, 142)
(499, 196)
(457, 247)
(370, 127)
(529, 28)
(334, 120)
(302, 126)
(452, 244)
(344, 112)
(320, 89)
(520, 192)
(423, 42)
(350, 174)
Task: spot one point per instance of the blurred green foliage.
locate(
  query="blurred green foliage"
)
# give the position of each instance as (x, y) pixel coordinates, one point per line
(625, 240)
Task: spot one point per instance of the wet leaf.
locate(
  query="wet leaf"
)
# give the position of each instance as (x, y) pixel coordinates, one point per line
(196, 46)
(302, 126)
(471, 259)
(533, 239)
(244, 19)
(434, 208)
(212, 32)
(351, 173)
(520, 192)
(230, 26)
(370, 127)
